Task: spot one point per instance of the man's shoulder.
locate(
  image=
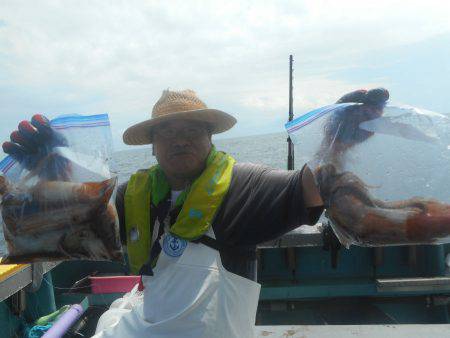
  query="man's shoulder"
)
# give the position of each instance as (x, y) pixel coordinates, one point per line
(122, 187)
(243, 170)
(246, 172)
(249, 168)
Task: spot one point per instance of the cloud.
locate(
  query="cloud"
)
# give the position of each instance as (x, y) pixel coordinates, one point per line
(117, 57)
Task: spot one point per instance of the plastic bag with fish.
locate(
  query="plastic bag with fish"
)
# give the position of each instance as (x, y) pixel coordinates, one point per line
(57, 191)
(382, 169)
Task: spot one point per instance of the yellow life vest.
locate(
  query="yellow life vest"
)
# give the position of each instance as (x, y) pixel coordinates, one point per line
(201, 204)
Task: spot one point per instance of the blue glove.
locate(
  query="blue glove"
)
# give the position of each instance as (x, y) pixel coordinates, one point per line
(343, 127)
(32, 146)
(375, 97)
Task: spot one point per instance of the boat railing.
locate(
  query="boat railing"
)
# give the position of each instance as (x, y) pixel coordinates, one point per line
(15, 277)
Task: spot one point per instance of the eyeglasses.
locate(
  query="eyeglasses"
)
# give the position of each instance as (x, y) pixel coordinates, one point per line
(191, 132)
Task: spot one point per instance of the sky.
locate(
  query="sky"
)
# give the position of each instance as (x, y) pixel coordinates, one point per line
(116, 57)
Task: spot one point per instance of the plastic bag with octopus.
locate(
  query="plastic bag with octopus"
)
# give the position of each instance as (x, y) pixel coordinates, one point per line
(56, 193)
(383, 170)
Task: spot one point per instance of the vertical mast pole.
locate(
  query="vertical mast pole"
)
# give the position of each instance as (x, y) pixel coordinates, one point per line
(291, 252)
(290, 164)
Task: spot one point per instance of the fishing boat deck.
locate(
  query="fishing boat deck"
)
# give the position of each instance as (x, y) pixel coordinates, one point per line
(344, 331)
(393, 297)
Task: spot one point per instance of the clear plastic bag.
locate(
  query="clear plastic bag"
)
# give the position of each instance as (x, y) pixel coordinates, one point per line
(383, 172)
(62, 206)
(119, 308)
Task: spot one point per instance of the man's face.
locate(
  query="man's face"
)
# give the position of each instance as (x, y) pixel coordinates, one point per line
(181, 147)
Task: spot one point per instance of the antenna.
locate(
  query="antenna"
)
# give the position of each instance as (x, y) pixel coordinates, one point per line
(290, 161)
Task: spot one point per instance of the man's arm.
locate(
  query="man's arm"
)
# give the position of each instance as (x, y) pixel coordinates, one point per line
(311, 195)
(264, 203)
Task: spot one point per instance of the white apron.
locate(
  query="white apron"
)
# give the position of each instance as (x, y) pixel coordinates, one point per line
(191, 295)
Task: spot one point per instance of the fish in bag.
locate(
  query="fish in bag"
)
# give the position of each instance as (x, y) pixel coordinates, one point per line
(57, 199)
(382, 169)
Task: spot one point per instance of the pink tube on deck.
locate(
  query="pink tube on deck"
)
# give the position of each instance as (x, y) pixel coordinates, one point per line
(64, 323)
(115, 284)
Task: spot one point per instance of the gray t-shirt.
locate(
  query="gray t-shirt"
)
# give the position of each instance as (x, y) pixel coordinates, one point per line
(261, 204)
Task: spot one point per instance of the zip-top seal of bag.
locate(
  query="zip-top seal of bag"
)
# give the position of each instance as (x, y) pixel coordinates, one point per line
(382, 169)
(57, 191)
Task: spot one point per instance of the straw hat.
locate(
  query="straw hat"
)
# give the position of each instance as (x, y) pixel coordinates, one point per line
(178, 105)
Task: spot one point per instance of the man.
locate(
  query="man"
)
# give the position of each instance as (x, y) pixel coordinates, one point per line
(258, 205)
(191, 224)
(203, 210)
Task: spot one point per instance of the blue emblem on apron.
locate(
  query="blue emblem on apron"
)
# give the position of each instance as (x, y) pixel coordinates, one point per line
(174, 246)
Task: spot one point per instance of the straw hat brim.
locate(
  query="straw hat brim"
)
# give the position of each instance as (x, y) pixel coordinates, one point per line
(140, 133)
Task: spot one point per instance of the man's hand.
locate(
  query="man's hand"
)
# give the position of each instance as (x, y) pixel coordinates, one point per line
(373, 102)
(32, 145)
(375, 97)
